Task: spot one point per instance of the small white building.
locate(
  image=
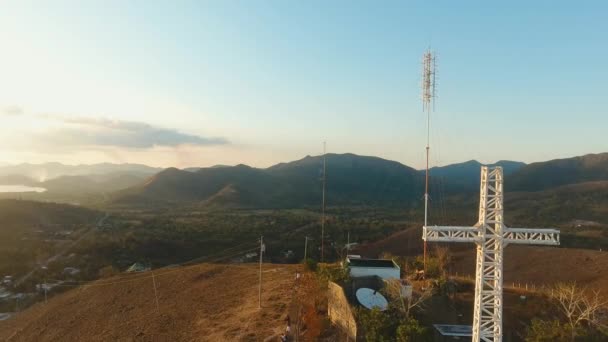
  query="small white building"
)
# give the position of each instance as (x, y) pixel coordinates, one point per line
(383, 268)
(138, 267)
(72, 271)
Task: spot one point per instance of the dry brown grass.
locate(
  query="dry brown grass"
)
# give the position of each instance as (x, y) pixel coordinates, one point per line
(207, 302)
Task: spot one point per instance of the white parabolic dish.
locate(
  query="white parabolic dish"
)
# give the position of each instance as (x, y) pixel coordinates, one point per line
(371, 299)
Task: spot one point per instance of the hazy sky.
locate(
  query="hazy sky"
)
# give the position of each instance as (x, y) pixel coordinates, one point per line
(176, 83)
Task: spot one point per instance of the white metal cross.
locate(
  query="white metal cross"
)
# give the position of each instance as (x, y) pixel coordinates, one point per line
(491, 237)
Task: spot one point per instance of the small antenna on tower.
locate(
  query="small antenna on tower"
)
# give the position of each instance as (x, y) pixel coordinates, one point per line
(429, 66)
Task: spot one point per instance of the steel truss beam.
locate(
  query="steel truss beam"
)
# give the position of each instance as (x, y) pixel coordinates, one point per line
(491, 237)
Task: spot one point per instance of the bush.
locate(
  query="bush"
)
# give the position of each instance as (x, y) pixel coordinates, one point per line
(548, 331)
(410, 330)
(310, 264)
(108, 271)
(335, 273)
(376, 324)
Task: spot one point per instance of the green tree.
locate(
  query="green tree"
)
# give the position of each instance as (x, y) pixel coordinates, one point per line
(548, 331)
(376, 325)
(410, 330)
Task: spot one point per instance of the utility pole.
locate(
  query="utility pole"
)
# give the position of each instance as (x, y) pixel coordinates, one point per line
(305, 247)
(323, 210)
(348, 243)
(45, 284)
(260, 286)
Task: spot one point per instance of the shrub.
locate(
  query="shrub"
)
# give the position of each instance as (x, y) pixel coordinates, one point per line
(548, 331)
(410, 330)
(108, 271)
(310, 264)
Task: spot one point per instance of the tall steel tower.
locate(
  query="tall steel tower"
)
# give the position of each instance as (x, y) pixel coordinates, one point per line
(429, 67)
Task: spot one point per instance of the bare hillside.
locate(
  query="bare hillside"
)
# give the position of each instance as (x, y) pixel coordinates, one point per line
(523, 264)
(207, 302)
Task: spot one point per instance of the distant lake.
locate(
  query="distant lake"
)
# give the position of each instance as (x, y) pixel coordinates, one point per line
(20, 188)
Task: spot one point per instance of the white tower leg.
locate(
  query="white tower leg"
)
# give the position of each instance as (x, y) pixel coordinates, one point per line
(487, 319)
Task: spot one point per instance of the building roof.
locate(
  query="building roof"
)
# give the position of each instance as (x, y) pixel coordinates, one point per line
(138, 267)
(356, 262)
(454, 330)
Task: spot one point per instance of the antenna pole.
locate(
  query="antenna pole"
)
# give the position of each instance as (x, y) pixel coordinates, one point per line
(323, 209)
(260, 285)
(428, 98)
(426, 184)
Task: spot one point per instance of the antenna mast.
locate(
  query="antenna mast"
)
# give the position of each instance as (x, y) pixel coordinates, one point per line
(428, 100)
(323, 209)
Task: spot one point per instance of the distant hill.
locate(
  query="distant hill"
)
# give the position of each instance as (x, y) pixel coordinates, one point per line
(30, 215)
(465, 176)
(558, 172)
(559, 206)
(17, 180)
(94, 183)
(351, 179)
(194, 169)
(73, 183)
(238, 185)
(43, 172)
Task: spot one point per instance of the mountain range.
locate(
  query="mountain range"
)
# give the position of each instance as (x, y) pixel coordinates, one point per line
(353, 180)
(350, 180)
(465, 176)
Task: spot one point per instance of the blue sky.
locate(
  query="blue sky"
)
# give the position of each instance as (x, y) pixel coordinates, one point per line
(223, 82)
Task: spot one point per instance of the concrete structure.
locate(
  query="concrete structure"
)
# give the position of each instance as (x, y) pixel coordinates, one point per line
(491, 237)
(342, 299)
(447, 332)
(385, 269)
(340, 312)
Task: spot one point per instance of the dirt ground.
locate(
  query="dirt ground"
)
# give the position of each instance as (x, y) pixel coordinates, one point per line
(545, 266)
(532, 265)
(208, 302)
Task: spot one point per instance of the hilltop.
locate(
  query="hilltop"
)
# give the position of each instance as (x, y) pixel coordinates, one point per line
(207, 302)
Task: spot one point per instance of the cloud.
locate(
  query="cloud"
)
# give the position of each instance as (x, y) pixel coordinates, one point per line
(12, 110)
(129, 134)
(67, 133)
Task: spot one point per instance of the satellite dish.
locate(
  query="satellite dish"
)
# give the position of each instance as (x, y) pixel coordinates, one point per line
(371, 299)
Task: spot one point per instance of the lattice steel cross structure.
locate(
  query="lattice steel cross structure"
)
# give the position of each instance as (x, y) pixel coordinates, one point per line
(491, 237)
